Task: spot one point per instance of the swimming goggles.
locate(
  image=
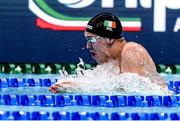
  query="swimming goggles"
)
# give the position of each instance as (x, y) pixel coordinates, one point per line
(92, 39)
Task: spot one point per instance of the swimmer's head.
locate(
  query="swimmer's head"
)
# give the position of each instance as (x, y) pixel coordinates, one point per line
(105, 25)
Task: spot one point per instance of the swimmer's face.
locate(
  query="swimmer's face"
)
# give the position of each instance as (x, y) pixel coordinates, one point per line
(98, 47)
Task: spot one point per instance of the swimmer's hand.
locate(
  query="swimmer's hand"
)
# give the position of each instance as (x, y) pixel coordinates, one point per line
(61, 87)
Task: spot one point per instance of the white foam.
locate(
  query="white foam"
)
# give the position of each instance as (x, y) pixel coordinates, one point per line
(105, 79)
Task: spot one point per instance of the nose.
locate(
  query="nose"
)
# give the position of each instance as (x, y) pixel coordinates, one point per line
(89, 45)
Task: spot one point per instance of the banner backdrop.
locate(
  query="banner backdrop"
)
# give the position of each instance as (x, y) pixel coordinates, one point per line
(52, 31)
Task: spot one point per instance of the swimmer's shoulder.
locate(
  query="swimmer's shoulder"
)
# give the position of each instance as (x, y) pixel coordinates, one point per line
(133, 46)
(137, 51)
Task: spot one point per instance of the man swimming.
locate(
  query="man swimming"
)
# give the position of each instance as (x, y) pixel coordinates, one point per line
(105, 43)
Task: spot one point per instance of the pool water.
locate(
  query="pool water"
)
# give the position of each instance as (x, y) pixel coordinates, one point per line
(26, 97)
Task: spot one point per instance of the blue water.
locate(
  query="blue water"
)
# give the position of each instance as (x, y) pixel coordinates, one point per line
(43, 90)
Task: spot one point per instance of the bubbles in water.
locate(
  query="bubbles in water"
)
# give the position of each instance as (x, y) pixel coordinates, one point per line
(105, 79)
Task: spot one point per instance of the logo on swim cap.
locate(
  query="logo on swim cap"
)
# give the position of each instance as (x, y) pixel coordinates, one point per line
(110, 24)
(89, 27)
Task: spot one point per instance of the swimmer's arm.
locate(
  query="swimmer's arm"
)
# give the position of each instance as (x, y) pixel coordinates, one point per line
(68, 86)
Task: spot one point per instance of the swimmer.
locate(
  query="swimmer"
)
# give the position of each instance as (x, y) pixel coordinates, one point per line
(105, 42)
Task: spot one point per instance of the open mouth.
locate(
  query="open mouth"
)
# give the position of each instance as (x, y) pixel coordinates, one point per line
(93, 53)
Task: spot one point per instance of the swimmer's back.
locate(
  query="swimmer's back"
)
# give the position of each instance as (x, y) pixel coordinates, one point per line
(135, 59)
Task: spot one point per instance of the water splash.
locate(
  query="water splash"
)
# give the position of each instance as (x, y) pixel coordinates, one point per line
(105, 79)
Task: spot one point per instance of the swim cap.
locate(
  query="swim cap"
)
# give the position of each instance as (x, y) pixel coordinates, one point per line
(105, 25)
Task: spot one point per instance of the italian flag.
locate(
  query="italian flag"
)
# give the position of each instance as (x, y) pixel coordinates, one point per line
(110, 24)
(48, 18)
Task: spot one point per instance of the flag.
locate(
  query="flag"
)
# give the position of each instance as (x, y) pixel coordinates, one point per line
(110, 24)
